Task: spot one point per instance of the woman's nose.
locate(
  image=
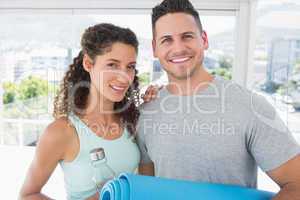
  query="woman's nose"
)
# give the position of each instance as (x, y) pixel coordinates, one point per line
(123, 77)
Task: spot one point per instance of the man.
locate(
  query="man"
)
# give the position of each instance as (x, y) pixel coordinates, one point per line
(204, 128)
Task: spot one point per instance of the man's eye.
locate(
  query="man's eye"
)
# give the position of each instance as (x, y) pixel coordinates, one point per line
(187, 36)
(165, 40)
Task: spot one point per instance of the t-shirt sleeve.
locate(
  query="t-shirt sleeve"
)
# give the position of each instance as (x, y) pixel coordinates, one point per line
(145, 158)
(269, 140)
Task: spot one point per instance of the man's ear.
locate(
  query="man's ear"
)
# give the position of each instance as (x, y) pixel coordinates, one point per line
(205, 39)
(87, 63)
(154, 48)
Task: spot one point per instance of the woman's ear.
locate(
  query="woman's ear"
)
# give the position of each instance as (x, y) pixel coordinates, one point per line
(87, 63)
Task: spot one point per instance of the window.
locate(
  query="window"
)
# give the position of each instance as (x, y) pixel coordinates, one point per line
(221, 52)
(298, 44)
(37, 50)
(276, 61)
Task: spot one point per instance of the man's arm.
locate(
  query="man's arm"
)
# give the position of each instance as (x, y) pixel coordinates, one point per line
(147, 169)
(287, 176)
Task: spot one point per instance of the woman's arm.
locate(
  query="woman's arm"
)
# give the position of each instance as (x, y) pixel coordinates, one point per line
(147, 169)
(49, 151)
(94, 197)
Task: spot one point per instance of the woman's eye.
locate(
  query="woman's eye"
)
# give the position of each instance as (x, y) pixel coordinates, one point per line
(131, 66)
(112, 65)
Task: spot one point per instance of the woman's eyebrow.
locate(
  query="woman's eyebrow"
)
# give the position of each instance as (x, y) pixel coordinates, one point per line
(130, 63)
(114, 60)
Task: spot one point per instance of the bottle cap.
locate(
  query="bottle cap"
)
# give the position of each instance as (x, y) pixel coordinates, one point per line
(97, 154)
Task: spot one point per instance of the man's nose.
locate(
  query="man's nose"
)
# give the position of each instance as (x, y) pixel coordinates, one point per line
(178, 46)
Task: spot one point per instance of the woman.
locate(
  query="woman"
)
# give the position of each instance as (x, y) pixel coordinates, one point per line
(96, 107)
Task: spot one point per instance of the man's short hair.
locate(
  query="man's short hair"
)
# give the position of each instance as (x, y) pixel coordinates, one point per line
(174, 6)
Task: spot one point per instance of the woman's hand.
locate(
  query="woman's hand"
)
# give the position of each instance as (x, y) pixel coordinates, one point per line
(94, 197)
(151, 93)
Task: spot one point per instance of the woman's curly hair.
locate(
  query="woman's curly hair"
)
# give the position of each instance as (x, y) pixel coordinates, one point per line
(97, 40)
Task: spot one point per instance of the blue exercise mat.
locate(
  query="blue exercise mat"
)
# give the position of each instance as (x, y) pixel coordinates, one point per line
(137, 187)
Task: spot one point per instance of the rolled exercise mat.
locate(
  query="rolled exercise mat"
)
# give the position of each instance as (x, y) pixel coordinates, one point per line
(137, 187)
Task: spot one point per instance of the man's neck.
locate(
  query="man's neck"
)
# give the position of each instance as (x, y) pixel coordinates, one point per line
(197, 82)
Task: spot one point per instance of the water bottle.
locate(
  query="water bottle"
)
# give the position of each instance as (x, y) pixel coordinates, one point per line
(102, 172)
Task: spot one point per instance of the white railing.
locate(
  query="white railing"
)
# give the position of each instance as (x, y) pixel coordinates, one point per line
(20, 130)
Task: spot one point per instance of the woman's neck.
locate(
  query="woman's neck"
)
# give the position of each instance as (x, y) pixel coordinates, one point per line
(98, 105)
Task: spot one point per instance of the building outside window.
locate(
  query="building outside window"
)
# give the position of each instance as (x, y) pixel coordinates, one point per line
(277, 59)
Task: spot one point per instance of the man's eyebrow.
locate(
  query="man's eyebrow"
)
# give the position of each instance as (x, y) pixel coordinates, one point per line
(169, 36)
(188, 32)
(164, 37)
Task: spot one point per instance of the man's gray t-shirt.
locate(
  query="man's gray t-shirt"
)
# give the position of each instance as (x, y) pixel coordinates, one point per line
(218, 135)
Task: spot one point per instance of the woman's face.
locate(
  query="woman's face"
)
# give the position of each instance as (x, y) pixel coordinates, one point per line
(113, 72)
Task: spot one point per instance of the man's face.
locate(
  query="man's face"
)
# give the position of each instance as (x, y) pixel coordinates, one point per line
(179, 45)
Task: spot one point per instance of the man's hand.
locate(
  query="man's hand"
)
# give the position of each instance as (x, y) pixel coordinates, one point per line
(151, 93)
(287, 176)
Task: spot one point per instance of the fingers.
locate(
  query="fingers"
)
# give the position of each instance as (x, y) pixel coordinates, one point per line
(151, 93)
(148, 94)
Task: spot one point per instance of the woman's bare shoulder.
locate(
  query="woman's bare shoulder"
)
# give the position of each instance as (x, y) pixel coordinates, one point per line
(60, 131)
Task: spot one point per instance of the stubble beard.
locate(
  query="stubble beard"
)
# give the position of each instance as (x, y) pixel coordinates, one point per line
(185, 76)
